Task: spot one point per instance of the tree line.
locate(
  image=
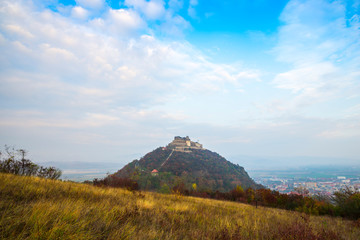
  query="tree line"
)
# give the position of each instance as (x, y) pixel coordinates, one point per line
(344, 202)
(14, 161)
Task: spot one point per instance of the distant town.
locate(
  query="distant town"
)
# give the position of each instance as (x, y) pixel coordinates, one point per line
(324, 182)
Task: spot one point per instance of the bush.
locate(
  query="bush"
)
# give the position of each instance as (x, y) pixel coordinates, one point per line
(113, 181)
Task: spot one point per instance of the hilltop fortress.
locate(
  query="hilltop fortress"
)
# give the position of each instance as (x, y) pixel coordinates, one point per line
(183, 144)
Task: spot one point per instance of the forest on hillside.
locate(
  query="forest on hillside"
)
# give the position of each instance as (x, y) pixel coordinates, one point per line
(207, 169)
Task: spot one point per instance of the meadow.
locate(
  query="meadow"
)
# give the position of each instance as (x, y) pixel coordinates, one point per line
(38, 208)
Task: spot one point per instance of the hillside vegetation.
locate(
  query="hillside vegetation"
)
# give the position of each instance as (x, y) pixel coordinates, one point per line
(37, 208)
(207, 169)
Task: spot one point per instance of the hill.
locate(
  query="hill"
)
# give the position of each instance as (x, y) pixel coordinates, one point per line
(35, 208)
(186, 162)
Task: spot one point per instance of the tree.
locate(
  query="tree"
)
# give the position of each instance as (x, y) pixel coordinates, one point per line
(15, 162)
(237, 194)
(347, 202)
(302, 190)
(165, 189)
(250, 194)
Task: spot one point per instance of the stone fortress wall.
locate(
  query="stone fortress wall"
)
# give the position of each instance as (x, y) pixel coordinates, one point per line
(183, 144)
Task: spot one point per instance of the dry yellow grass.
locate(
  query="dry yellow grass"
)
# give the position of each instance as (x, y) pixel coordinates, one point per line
(34, 208)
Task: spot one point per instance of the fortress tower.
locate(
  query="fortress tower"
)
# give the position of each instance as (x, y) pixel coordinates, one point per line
(184, 144)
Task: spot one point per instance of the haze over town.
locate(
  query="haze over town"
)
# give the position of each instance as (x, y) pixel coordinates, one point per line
(263, 83)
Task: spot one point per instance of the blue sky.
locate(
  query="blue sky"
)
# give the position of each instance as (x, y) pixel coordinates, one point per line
(111, 80)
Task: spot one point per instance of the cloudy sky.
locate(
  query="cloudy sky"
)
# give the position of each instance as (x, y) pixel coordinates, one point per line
(96, 80)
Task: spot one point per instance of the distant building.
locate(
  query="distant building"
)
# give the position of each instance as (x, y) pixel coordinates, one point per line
(294, 193)
(184, 144)
(154, 172)
(311, 185)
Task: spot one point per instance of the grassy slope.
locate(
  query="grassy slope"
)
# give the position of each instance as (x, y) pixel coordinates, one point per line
(34, 208)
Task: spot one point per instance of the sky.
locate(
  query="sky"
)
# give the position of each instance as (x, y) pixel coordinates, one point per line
(260, 82)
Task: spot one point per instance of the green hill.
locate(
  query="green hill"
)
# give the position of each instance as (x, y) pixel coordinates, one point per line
(35, 208)
(207, 169)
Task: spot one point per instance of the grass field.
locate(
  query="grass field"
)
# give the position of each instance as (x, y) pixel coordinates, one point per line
(35, 208)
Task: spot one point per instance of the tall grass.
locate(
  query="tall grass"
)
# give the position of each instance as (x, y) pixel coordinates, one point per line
(35, 208)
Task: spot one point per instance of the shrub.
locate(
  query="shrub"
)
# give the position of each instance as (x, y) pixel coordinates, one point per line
(113, 181)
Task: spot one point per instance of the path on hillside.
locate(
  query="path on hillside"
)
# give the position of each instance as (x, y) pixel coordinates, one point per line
(166, 159)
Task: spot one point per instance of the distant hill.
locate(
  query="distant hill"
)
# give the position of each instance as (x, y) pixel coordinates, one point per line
(185, 162)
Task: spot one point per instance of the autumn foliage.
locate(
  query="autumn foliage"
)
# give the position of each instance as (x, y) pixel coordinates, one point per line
(345, 203)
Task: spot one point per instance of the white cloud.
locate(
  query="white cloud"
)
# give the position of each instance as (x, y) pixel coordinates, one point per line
(123, 21)
(18, 30)
(321, 45)
(79, 12)
(162, 20)
(153, 9)
(176, 5)
(101, 65)
(345, 129)
(42, 119)
(174, 25)
(191, 9)
(317, 31)
(91, 4)
(165, 21)
(313, 84)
